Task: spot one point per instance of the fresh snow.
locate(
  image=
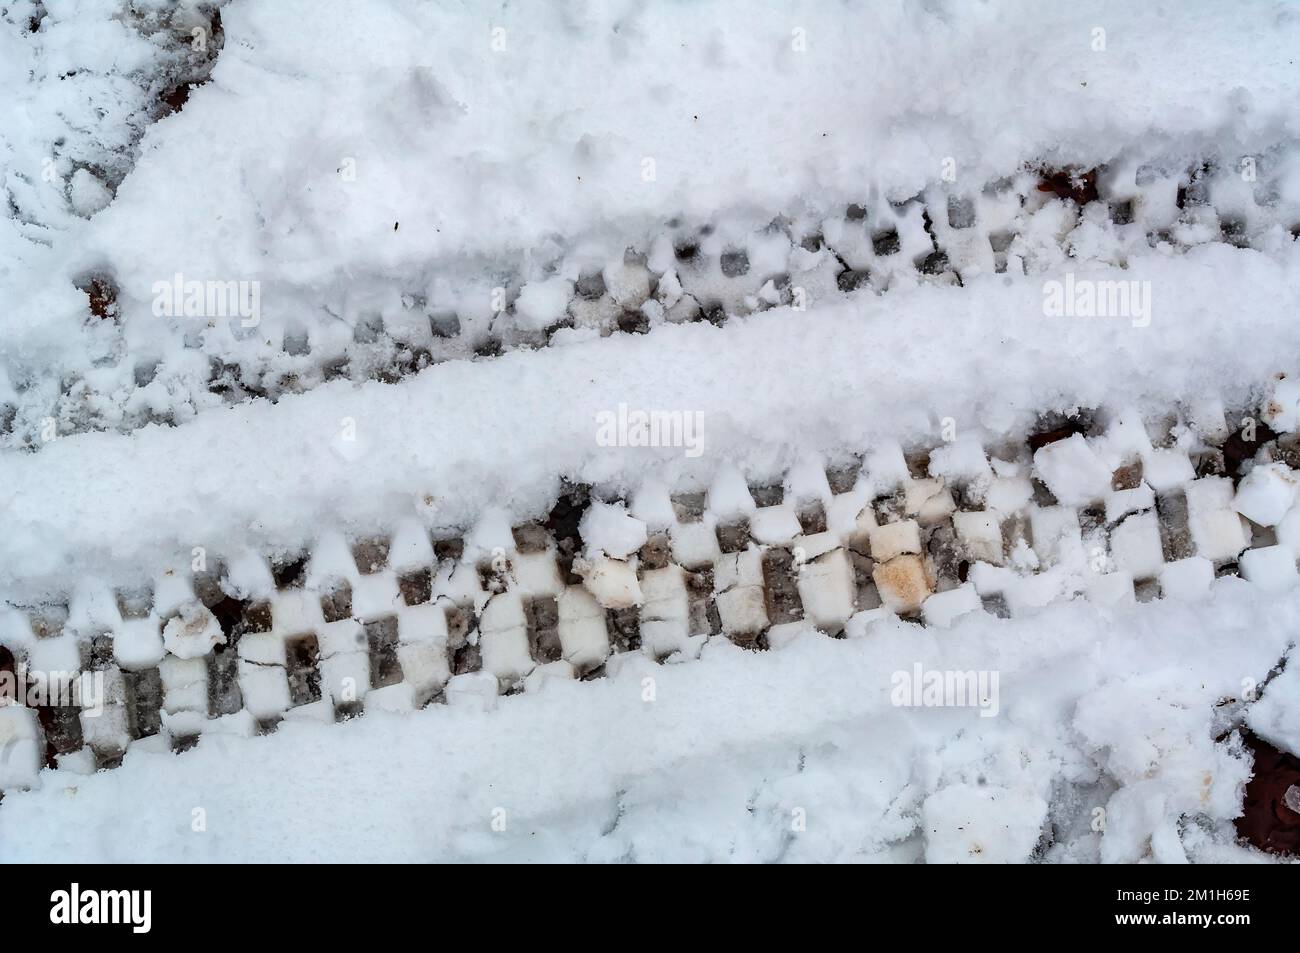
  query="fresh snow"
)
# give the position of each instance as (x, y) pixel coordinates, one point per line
(1109, 709)
(348, 155)
(500, 434)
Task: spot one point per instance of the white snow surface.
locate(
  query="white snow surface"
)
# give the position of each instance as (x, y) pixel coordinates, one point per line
(1099, 709)
(428, 150)
(772, 389)
(469, 158)
(472, 149)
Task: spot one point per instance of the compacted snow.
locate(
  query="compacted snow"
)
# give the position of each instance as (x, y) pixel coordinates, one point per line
(361, 159)
(1099, 710)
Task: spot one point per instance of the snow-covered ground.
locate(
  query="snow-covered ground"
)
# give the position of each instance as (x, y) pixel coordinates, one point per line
(365, 162)
(1099, 710)
(771, 389)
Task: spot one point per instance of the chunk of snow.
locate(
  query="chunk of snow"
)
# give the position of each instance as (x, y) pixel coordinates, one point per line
(1282, 409)
(608, 528)
(20, 744)
(1266, 493)
(87, 194)
(902, 582)
(1272, 568)
(943, 608)
(628, 284)
(612, 581)
(138, 643)
(542, 303)
(193, 632)
(1217, 529)
(1072, 471)
(1186, 579)
(893, 539)
(980, 534)
(1135, 545)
